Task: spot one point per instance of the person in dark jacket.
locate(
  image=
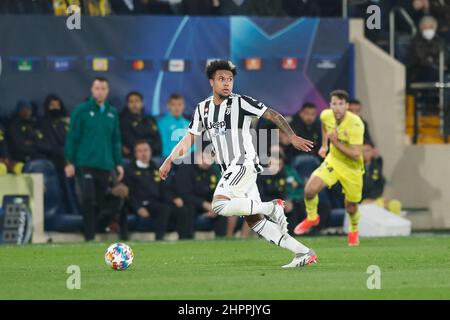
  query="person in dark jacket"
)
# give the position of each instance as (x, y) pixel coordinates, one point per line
(135, 126)
(424, 51)
(26, 141)
(151, 198)
(305, 123)
(92, 150)
(373, 179)
(54, 126)
(195, 184)
(6, 164)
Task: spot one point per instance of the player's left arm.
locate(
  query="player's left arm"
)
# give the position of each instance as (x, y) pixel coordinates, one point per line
(281, 122)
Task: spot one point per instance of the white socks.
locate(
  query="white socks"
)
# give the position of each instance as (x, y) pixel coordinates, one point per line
(241, 207)
(272, 233)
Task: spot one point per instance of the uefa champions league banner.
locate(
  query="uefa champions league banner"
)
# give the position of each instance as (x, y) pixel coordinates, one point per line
(282, 61)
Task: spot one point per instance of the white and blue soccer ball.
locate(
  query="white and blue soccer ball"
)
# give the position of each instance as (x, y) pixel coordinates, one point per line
(119, 256)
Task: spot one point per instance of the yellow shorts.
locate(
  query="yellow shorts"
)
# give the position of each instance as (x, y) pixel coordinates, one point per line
(351, 180)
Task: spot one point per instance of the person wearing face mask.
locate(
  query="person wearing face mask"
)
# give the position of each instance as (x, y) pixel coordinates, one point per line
(54, 126)
(424, 51)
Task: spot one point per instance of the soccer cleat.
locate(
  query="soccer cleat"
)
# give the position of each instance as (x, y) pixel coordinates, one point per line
(302, 260)
(277, 215)
(353, 238)
(304, 226)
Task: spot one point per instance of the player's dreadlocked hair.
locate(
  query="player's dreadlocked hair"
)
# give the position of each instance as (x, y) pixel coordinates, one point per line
(215, 65)
(340, 94)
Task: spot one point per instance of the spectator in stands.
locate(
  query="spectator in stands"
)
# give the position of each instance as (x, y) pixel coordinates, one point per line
(151, 198)
(200, 7)
(129, 7)
(295, 8)
(26, 7)
(424, 51)
(374, 181)
(97, 7)
(136, 126)
(439, 9)
(60, 7)
(87, 7)
(6, 164)
(113, 214)
(196, 184)
(54, 126)
(305, 123)
(173, 125)
(355, 107)
(92, 151)
(26, 141)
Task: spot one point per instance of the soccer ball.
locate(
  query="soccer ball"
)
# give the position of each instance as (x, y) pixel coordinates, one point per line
(119, 256)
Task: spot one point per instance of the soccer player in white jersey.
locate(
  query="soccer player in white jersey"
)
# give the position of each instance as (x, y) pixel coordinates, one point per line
(226, 118)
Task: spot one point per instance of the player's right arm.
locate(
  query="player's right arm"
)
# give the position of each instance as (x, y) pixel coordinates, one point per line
(179, 151)
(196, 128)
(324, 148)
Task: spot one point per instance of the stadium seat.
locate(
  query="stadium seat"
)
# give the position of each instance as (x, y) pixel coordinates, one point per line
(305, 165)
(56, 217)
(203, 223)
(337, 218)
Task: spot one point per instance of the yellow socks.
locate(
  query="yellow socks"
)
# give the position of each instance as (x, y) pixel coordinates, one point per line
(311, 208)
(354, 221)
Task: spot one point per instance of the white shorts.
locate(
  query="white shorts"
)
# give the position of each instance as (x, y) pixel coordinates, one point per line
(239, 181)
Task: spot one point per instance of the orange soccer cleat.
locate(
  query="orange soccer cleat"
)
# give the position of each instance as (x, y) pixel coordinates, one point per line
(304, 226)
(353, 238)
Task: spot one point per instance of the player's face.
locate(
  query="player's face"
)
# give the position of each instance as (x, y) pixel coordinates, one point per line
(355, 108)
(100, 90)
(135, 104)
(176, 107)
(222, 83)
(339, 107)
(308, 115)
(143, 153)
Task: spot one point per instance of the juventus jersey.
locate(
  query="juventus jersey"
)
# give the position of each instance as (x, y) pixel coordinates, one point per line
(228, 127)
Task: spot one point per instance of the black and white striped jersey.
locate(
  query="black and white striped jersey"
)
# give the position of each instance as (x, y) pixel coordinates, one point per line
(228, 127)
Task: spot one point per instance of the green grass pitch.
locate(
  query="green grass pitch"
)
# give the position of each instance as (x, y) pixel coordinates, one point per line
(416, 267)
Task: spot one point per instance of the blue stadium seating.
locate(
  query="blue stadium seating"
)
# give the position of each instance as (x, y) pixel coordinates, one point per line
(56, 216)
(305, 165)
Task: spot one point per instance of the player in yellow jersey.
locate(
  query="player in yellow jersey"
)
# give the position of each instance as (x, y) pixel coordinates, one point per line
(344, 163)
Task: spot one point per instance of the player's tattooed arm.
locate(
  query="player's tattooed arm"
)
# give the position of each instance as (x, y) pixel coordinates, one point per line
(283, 125)
(279, 121)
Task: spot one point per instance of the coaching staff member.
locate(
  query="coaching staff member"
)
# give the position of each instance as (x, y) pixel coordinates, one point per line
(92, 150)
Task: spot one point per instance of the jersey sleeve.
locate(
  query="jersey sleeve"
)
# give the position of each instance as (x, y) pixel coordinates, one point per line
(196, 126)
(252, 106)
(356, 134)
(326, 117)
